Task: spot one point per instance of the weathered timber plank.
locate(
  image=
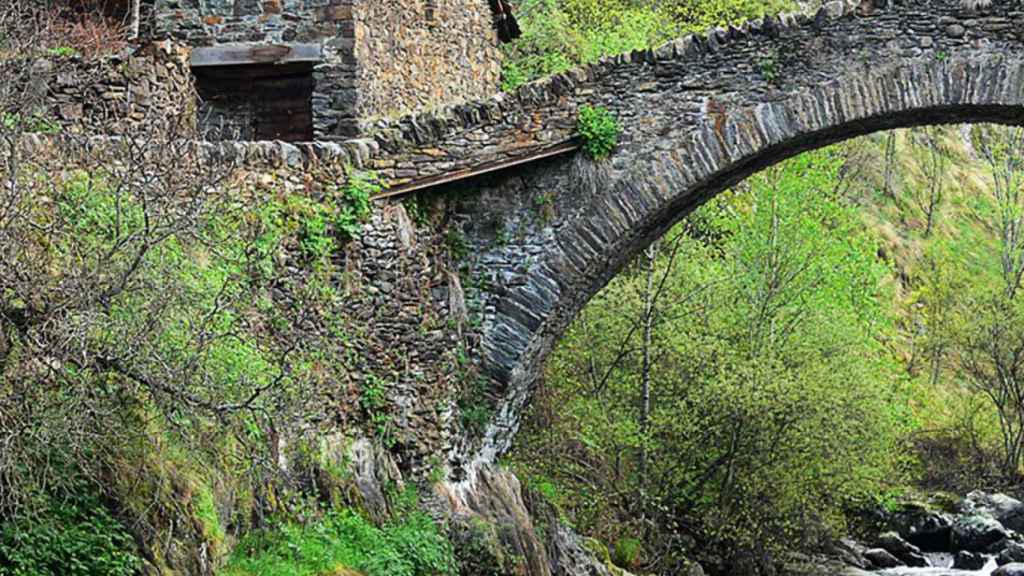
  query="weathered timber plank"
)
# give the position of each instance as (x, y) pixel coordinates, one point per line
(449, 177)
(236, 54)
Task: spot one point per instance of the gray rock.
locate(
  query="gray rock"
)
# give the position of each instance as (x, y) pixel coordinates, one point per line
(1015, 569)
(880, 558)
(1008, 511)
(928, 530)
(850, 553)
(906, 552)
(976, 533)
(969, 561)
(1012, 552)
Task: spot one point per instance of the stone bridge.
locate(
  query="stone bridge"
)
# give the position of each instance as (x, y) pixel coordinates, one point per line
(698, 115)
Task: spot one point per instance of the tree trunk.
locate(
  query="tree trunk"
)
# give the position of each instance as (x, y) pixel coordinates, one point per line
(645, 376)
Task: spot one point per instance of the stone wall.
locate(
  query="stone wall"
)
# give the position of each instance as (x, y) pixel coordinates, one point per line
(422, 54)
(108, 95)
(210, 22)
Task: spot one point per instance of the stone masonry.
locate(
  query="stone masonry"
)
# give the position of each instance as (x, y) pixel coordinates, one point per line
(376, 59)
(109, 96)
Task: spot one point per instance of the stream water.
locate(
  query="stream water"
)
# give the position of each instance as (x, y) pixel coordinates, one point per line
(941, 566)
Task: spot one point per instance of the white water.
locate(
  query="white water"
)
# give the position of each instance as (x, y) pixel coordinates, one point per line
(941, 566)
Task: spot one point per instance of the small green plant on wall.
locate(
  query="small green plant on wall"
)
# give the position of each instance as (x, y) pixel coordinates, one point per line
(769, 66)
(599, 130)
(361, 187)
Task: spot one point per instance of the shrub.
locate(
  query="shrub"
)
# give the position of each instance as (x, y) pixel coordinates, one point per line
(72, 536)
(627, 552)
(410, 546)
(599, 131)
(355, 205)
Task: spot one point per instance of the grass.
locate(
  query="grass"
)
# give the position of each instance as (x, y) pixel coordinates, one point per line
(343, 543)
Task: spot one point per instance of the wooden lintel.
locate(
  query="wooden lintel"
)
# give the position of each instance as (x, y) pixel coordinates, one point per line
(449, 177)
(241, 54)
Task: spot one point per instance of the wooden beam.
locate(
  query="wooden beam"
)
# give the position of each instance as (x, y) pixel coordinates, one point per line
(241, 54)
(447, 178)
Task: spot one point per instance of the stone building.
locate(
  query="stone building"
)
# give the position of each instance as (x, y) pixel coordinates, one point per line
(299, 70)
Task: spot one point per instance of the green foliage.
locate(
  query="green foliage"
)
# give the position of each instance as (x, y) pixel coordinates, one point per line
(409, 546)
(599, 130)
(211, 318)
(356, 201)
(206, 512)
(373, 400)
(627, 552)
(475, 409)
(72, 535)
(62, 51)
(769, 66)
(774, 403)
(561, 34)
(35, 123)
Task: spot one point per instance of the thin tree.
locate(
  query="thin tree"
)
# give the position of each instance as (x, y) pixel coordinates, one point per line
(929, 199)
(992, 348)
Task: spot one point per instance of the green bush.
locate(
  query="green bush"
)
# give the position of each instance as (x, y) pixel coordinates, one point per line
(627, 552)
(342, 539)
(561, 34)
(773, 404)
(599, 131)
(72, 536)
(355, 205)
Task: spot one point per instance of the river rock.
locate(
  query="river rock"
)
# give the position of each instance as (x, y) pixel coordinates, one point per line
(1015, 569)
(1012, 552)
(1008, 511)
(965, 560)
(976, 533)
(881, 558)
(927, 529)
(905, 551)
(850, 553)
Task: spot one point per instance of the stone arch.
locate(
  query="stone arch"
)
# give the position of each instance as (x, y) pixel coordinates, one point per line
(687, 137)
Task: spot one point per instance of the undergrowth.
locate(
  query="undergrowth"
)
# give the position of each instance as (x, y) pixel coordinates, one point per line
(343, 541)
(72, 535)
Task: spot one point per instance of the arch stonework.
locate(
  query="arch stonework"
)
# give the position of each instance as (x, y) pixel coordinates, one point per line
(700, 114)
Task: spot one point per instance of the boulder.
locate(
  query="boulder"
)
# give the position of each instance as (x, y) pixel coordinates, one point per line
(1015, 569)
(905, 551)
(927, 529)
(1012, 552)
(976, 533)
(1006, 510)
(850, 553)
(916, 560)
(969, 560)
(881, 558)
(799, 564)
